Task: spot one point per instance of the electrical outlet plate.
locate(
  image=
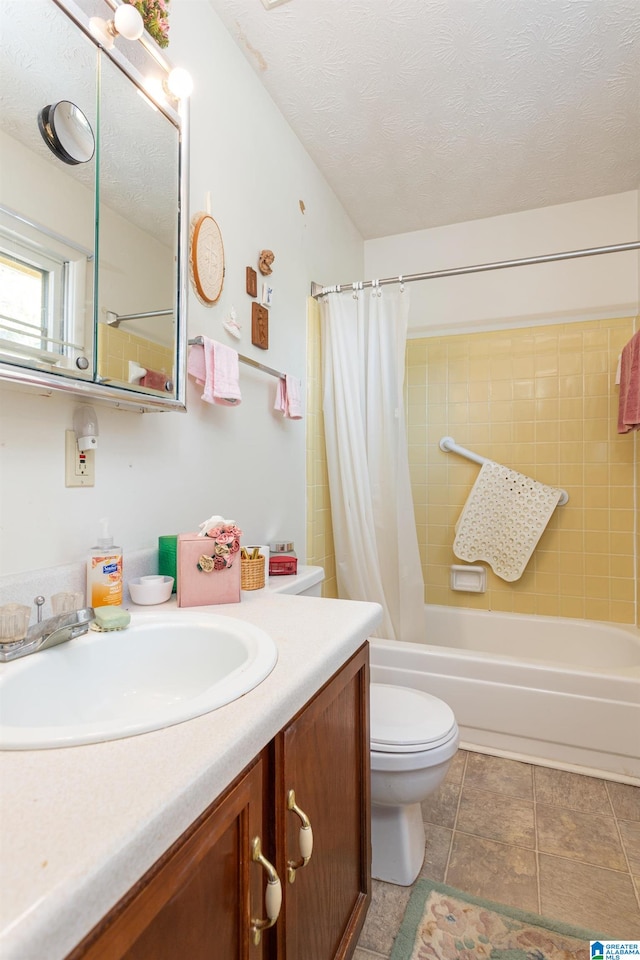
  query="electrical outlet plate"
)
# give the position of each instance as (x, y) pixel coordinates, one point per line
(79, 468)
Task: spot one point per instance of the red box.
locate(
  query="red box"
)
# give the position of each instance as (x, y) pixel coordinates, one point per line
(282, 565)
(197, 587)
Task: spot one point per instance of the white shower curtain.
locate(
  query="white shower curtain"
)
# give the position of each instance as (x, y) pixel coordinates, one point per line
(376, 546)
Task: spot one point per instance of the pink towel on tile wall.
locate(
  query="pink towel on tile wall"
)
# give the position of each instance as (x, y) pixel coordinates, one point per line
(629, 401)
(215, 366)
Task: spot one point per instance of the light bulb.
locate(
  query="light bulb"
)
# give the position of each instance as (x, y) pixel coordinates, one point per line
(128, 22)
(85, 425)
(180, 83)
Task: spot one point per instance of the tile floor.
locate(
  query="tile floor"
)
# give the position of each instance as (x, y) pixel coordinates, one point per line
(551, 842)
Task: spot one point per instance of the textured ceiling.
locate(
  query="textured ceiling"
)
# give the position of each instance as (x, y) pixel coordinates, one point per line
(428, 112)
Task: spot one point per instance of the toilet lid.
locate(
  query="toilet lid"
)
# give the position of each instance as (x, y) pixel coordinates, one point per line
(404, 720)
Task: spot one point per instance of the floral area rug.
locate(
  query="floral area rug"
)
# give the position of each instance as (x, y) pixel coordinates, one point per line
(441, 923)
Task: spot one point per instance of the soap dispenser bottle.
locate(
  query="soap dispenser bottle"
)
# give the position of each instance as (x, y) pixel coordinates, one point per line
(104, 571)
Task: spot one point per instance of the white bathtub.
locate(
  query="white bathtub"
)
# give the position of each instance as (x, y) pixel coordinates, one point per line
(557, 691)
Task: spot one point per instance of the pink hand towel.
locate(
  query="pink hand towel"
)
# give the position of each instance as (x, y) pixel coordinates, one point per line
(281, 396)
(226, 373)
(195, 363)
(294, 398)
(215, 366)
(629, 401)
(289, 397)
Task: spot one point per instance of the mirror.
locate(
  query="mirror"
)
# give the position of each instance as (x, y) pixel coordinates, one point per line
(67, 132)
(92, 161)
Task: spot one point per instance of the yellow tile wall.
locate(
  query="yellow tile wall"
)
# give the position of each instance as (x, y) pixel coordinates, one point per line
(320, 549)
(542, 400)
(116, 347)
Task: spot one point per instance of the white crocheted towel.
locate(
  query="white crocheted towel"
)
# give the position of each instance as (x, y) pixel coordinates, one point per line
(503, 519)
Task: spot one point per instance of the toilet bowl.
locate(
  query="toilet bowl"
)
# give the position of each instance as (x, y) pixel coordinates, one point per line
(414, 737)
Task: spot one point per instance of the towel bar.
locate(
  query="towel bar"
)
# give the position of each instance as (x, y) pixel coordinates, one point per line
(252, 363)
(449, 445)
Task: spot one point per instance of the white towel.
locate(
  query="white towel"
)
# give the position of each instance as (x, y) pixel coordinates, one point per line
(503, 519)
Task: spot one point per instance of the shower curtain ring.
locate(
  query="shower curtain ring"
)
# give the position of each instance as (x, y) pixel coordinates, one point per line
(401, 281)
(355, 291)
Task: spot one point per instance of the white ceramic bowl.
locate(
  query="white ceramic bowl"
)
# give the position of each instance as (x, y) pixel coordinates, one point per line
(148, 590)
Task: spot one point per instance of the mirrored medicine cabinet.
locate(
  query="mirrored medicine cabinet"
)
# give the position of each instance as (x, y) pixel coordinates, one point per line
(93, 210)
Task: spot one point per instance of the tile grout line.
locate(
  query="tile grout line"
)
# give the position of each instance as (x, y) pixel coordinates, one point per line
(535, 838)
(623, 847)
(455, 819)
(555, 856)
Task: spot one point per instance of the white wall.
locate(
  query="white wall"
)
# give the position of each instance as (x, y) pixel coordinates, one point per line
(165, 473)
(589, 288)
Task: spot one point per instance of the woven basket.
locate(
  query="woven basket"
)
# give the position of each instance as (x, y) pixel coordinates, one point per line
(252, 573)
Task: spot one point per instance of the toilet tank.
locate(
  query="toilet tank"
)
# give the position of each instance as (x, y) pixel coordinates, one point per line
(307, 582)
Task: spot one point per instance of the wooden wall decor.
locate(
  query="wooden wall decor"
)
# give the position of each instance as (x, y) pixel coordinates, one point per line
(259, 326)
(252, 282)
(206, 258)
(265, 260)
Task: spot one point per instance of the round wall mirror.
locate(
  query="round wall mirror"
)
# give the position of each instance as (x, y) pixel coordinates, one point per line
(67, 132)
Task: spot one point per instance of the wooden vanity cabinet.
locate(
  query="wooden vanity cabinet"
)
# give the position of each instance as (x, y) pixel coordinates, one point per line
(198, 901)
(323, 756)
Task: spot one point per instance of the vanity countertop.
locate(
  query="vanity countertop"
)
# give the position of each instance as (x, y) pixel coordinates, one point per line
(81, 824)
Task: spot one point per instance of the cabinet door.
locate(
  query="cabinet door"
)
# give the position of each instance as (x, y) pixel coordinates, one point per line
(197, 902)
(323, 756)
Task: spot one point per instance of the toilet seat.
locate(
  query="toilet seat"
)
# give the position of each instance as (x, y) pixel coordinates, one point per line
(405, 720)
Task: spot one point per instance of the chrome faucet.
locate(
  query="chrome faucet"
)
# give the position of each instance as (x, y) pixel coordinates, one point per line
(48, 633)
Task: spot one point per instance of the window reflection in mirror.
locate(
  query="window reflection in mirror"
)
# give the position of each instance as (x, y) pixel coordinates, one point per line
(137, 276)
(46, 206)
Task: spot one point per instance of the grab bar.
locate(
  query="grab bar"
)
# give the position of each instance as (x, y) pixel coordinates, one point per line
(449, 445)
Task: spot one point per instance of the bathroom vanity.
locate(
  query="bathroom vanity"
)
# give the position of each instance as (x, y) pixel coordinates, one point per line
(145, 847)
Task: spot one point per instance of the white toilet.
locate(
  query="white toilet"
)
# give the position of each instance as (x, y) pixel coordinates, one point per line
(414, 737)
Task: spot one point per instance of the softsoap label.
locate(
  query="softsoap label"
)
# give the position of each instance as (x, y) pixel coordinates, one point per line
(106, 581)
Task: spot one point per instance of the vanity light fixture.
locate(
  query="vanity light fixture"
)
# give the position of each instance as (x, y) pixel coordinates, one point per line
(179, 83)
(85, 426)
(127, 22)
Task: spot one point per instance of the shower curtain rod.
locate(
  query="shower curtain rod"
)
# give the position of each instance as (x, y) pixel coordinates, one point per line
(317, 290)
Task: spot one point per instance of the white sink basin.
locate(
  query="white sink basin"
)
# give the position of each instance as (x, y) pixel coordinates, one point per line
(161, 670)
